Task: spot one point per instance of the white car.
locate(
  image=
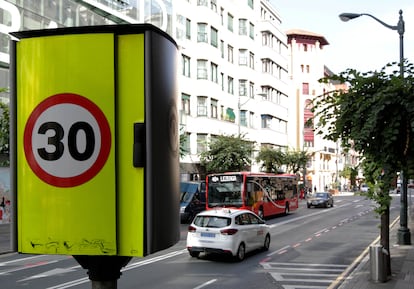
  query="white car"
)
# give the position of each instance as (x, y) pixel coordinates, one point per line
(227, 231)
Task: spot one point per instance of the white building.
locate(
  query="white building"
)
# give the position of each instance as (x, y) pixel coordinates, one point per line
(234, 75)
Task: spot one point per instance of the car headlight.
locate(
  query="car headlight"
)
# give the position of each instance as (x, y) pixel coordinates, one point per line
(182, 210)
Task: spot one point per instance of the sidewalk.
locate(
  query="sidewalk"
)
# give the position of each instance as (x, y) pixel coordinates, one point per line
(402, 265)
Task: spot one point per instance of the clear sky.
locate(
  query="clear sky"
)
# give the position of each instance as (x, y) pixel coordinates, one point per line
(362, 43)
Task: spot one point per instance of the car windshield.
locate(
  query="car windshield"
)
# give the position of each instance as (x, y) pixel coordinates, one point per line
(321, 195)
(225, 194)
(212, 221)
(185, 197)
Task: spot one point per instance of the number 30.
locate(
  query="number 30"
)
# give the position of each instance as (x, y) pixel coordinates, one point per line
(56, 141)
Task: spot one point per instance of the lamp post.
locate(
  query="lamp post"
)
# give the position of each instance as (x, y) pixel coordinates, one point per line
(403, 235)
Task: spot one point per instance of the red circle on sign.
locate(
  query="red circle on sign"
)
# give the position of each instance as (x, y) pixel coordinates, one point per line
(105, 141)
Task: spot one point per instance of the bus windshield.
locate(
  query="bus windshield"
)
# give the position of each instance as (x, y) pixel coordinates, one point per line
(225, 194)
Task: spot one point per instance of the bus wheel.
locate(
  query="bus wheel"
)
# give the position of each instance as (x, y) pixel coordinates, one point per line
(287, 209)
(260, 213)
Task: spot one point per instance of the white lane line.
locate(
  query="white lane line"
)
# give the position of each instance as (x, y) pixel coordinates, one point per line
(206, 284)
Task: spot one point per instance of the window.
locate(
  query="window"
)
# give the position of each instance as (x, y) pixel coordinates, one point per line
(307, 68)
(305, 47)
(242, 87)
(251, 89)
(185, 103)
(214, 76)
(213, 5)
(243, 118)
(243, 57)
(185, 65)
(230, 22)
(266, 121)
(250, 3)
(230, 88)
(202, 3)
(305, 88)
(202, 32)
(201, 69)
(251, 119)
(251, 30)
(230, 54)
(214, 36)
(201, 142)
(242, 27)
(186, 144)
(188, 28)
(222, 80)
(251, 60)
(201, 106)
(222, 48)
(214, 112)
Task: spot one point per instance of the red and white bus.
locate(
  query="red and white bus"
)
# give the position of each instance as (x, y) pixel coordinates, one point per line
(265, 194)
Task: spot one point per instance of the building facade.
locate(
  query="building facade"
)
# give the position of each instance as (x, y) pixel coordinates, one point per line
(239, 73)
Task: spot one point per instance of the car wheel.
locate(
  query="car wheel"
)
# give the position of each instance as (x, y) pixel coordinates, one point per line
(194, 254)
(309, 206)
(266, 244)
(241, 252)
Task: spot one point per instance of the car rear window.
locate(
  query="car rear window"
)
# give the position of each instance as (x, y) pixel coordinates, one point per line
(212, 221)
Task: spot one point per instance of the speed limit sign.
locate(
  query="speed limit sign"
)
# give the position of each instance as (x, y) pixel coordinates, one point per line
(67, 140)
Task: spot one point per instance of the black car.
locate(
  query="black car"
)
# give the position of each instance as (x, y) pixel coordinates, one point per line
(320, 199)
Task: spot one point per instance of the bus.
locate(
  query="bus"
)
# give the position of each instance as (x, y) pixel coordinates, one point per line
(264, 194)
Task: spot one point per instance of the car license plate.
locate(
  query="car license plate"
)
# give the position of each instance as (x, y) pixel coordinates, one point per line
(208, 235)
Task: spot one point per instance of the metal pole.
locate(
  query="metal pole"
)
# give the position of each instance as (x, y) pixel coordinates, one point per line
(403, 234)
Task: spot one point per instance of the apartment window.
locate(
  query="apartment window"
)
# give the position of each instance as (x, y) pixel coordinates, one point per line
(213, 5)
(302, 68)
(201, 106)
(242, 26)
(214, 72)
(202, 3)
(243, 57)
(307, 69)
(230, 54)
(251, 89)
(188, 28)
(202, 32)
(230, 84)
(266, 121)
(222, 48)
(185, 103)
(305, 88)
(251, 30)
(214, 36)
(186, 143)
(242, 87)
(305, 47)
(222, 16)
(250, 3)
(213, 106)
(251, 60)
(230, 22)
(251, 119)
(201, 142)
(243, 118)
(185, 65)
(201, 69)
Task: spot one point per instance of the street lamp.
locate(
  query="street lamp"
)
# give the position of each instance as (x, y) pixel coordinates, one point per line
(404, 237)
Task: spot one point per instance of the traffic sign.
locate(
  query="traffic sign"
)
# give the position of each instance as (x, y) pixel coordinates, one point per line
(67, 140)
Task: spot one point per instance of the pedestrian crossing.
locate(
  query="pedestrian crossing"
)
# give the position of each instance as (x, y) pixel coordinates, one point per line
(303, 275)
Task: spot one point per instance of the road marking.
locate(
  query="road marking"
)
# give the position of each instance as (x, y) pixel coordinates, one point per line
(206, 284)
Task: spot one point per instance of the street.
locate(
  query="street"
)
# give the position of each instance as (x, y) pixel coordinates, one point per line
(310, 248)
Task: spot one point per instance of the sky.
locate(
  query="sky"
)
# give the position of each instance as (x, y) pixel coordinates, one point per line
(361, 43)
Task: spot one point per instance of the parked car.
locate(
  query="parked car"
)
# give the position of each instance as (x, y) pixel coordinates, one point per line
(192, 200)
(320, 199)
(227, 231)
(364, 188)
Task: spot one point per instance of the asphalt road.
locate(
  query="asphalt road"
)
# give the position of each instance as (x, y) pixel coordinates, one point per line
(310, 248)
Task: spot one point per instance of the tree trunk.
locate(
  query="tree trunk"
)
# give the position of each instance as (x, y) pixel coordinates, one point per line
(385, 238)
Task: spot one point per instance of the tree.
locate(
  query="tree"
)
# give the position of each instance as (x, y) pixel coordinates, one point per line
(272, 159)
(227, 153)
(376, 116)
(4, 131)
(296, 160)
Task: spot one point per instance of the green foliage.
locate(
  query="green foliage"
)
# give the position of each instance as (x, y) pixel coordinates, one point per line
(272, 159)
(296, 160)
(350, 173)
(4, 130)
(376, 117)
(183, 140)
(227, 153)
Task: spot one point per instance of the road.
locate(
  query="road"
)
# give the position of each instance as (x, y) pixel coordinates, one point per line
(310, 248)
